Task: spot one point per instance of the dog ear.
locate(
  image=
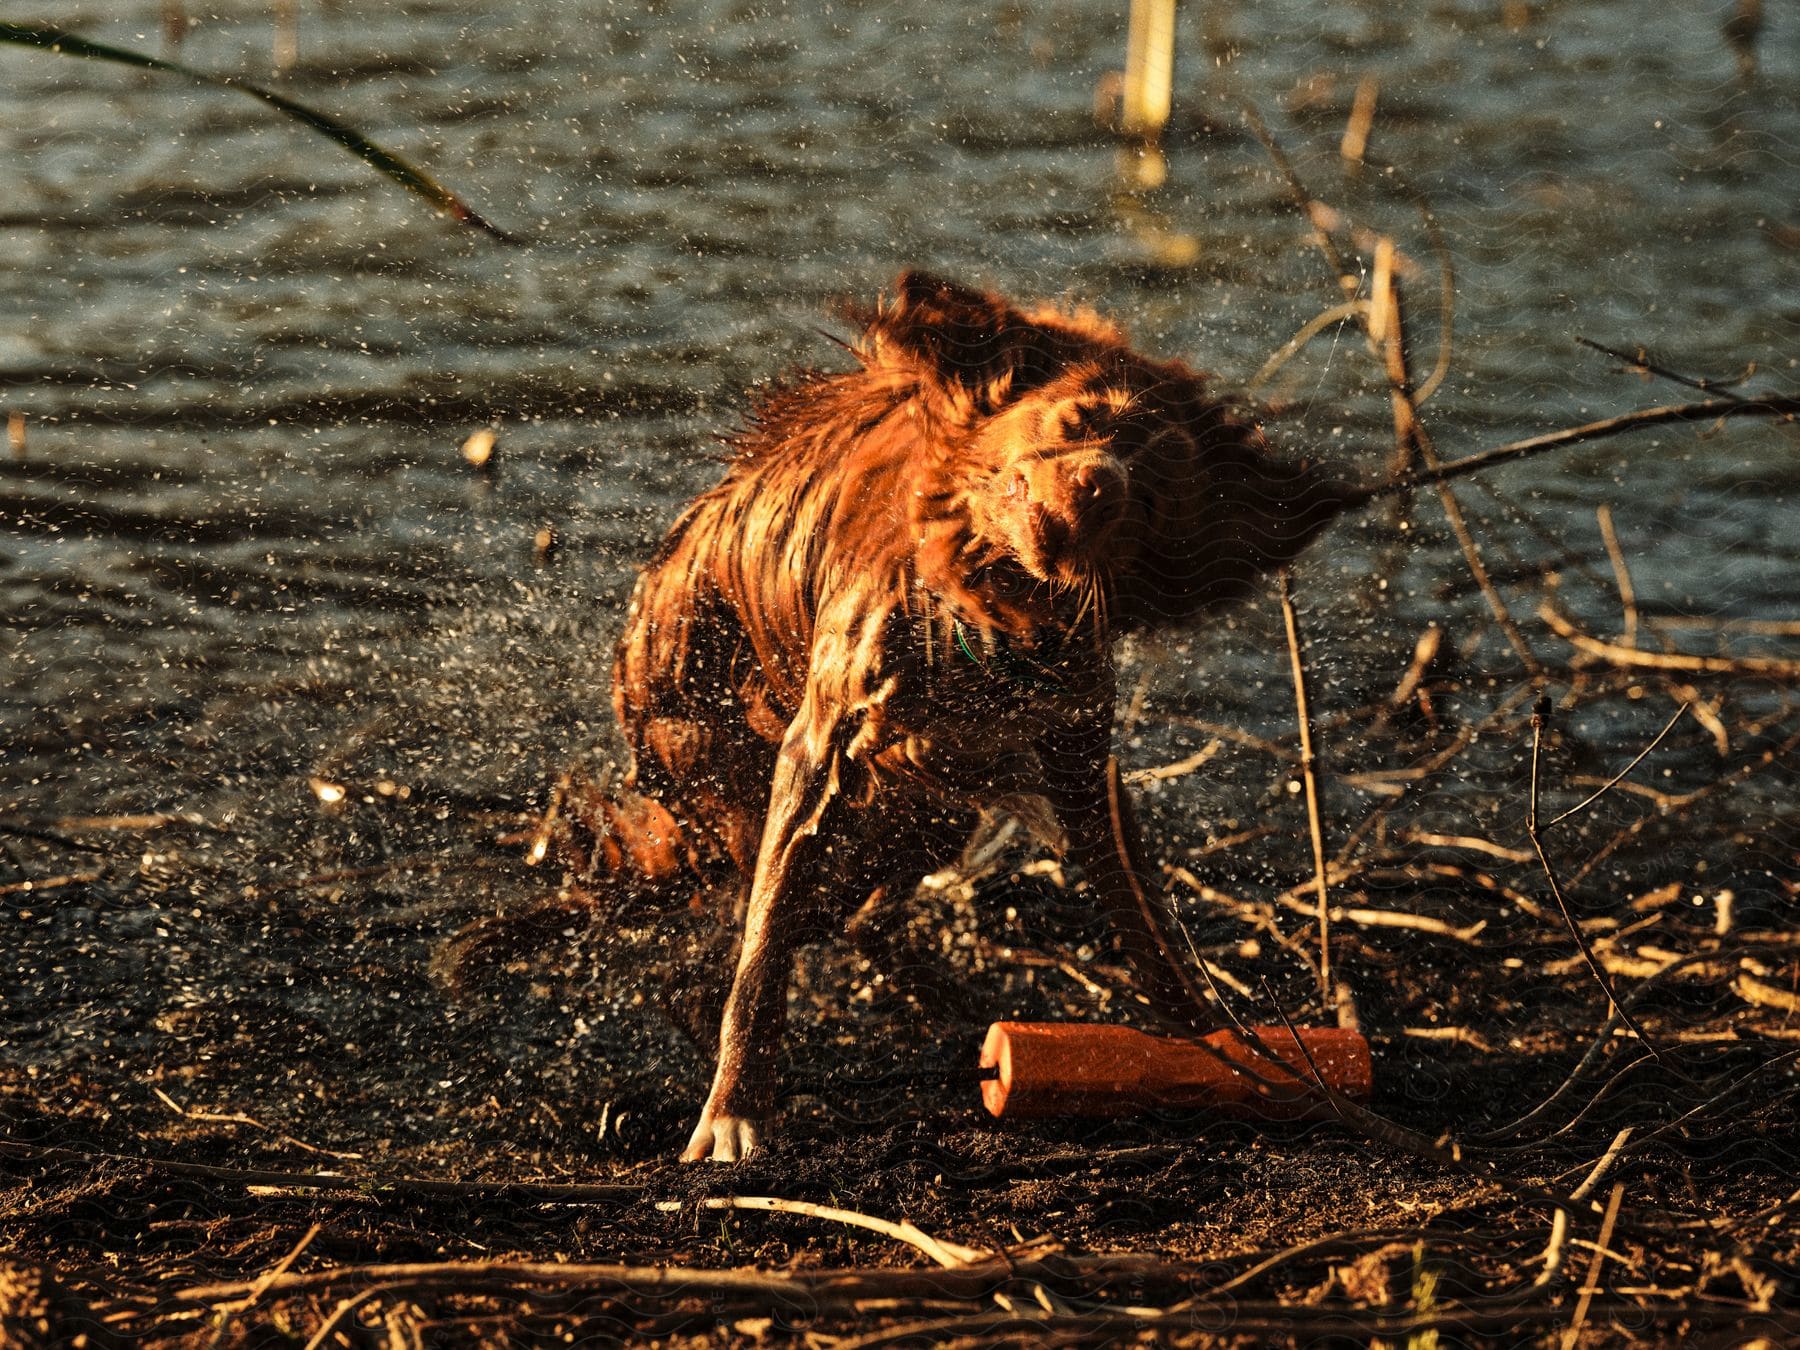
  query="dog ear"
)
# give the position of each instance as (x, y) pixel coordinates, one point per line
(960, 334)
(957, 338)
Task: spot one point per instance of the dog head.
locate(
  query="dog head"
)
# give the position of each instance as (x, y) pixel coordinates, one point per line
(1061, 468)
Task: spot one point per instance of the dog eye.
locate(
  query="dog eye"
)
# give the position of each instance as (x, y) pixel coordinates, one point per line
(1085, 421)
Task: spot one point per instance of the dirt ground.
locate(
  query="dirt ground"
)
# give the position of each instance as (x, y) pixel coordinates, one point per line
(469, 1170)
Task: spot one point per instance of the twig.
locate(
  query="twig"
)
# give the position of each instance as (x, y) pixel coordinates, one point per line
(275, 1272)
(1591, 1285)
(37, 884)
(239, 1118)
(1559, 1226)
(1180, 768)
(1601, 1168)
(1559, 624)
(1539, 714)
(1349, 309)
(1640, 361)
(345, 1308)
(946, 1254)
(1474, 844)
(1618, 777)
(1309, 778)
(540, 838)
(1621, 573)
(401, 1188)
(1785, 406)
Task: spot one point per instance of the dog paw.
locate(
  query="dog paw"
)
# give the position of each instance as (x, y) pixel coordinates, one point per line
(720, 1137)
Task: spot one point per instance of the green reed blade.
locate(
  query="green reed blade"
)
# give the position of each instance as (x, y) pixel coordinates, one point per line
(412, 179)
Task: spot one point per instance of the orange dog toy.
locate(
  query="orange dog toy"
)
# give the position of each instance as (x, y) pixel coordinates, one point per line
(1039, 1069)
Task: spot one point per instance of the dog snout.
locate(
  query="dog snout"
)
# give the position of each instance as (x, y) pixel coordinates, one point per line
(1097, 482)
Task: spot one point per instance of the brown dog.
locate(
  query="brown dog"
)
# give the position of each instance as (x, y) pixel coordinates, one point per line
(899, 606)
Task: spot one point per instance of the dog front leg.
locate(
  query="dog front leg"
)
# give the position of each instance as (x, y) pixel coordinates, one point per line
(784, 904)
(1083, 784)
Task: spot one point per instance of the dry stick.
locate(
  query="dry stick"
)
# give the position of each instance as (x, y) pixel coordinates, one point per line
(1309, 778)
(1620, 776)
(1771, 405)
(403, 1188)
(1349, 309)
(1621, 573)
(348, 1306)
(239, 1118)
(946, 1254)
(1410, 435)
(1538, 716)
(1601, 1168)
(1631, 656)
(540, 838)
(37, 884)
(1591, 1285)
(1269, 1322)
(1352, 1239)
(1362, 117)
(1641, 362)
(1559, 1224)
(1736, 776)
(229, 1311)
(1385, 324)
(803, 1288)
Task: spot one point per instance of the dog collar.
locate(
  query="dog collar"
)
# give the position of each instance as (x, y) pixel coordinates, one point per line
(1007, 661)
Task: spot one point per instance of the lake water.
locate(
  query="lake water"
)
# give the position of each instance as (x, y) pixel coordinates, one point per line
(240, 551)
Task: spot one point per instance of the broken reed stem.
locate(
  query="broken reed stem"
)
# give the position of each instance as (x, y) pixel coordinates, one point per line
(1621, 574)
(1309, 778)
(1362, 118)
(1539, 715)
(1349, 309)
(1558, 623)
(1386, 325)
(1389, 332)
